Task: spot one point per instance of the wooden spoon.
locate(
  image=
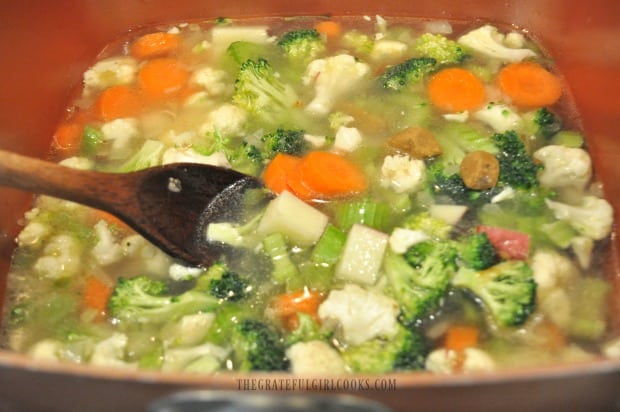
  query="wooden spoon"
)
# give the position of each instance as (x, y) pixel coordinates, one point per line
(169, 205)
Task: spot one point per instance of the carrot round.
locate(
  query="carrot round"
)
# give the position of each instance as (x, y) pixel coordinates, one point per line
(287, 306)
(277, 171)
(331, 175)
(459, 338)
(67, 138)
(456, 90)
(296, 185)
(155, 45)
(118, 101)
(329, 28)
(162, 77)
(528, 84)
(95, 294)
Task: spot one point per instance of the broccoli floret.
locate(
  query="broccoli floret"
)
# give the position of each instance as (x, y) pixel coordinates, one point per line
(540, 123)
(432, 226)
(440, 183)
(440, 48)
(419, 279)
(516, 167)
(507, 290)
(302, 46)
(259, 91)
(409, 72)
(458, 139)
(257, 347)
(223, 283)
(145, 300)
(242, 51)
(247, 159)
(477, 252)
(286, 141)
(405, 351)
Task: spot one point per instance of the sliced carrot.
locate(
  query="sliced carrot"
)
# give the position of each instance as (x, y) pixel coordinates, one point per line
(456, 90)
(296, 185)
(288, 305)
(67, 138)
(96, 294)
(277, 170)
(331, 175)
(460, 337)
(329, 28)
(118, 101)
(162, 77)
(529, 84)
(155, 45)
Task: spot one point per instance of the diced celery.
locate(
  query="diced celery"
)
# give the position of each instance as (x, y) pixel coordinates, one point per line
(362, 255)
(284, 269)
(301, 223)
(328, 248)
(568, 138)
(365, 212)
(589, 309)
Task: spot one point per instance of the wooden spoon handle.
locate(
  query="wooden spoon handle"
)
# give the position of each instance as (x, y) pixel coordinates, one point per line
(39, 176)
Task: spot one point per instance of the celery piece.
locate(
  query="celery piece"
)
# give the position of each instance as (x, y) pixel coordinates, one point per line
(91, 140)
(365, 212)
(568, 138)
(560, 232)
(362, 255)
(327, 250)
(588, 314)
(284, 270)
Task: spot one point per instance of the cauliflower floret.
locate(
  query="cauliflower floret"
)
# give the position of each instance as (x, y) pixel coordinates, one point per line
(187, 331)
(498, 116)
(555, 304)
(402, 239)
(582, 247)
(315, 357)
(564, 167)
(107, 250)
(110, 72)
(78, 162)
(361, 314)
(149, 260)
(332, 78)
(209, 355)
(189, 155)
(121, 132)
(487, 40)
(214, 81)
(227, 120)
(61, 258)
(592, 218)
(111, 351)
(45, 350)
(551, 269)
(611, 349)
(347, 139)
(179, 272)
(33, 234)
(388, 50)
(402, 173)
(444, 361)
(459, 117)
(314, 140)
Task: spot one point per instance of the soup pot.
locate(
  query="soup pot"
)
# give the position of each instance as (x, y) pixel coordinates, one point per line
(45, 48)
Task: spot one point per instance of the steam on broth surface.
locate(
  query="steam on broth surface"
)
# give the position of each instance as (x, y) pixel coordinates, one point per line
(429, 205)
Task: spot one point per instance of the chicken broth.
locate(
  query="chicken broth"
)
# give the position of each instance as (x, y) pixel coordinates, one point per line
(429, 204)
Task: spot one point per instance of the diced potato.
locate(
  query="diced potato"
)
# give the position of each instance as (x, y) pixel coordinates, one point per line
(298, 221)
(362, 255)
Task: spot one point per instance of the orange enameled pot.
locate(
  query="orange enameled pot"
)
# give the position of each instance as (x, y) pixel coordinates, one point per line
(46, 46)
